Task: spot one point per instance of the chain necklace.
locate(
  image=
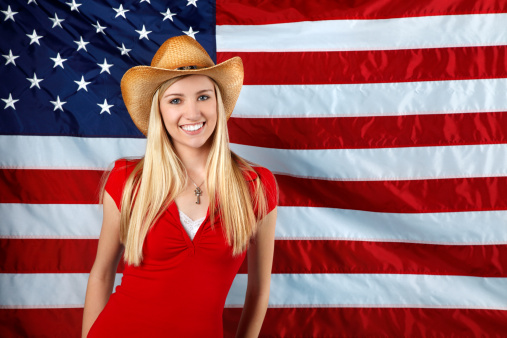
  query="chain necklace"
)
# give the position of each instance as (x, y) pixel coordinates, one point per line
(197, 191)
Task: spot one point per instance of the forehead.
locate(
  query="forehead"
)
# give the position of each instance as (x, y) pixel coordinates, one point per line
(192, 83)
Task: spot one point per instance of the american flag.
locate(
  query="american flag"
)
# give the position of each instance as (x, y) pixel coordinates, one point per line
(385, 122)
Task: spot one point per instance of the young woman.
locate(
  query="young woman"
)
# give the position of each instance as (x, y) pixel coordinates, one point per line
(185, 214)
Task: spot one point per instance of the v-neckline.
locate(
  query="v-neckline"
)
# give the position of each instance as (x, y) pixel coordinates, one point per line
(190, 242)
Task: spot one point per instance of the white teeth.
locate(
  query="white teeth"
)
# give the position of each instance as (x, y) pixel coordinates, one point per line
(192, 127)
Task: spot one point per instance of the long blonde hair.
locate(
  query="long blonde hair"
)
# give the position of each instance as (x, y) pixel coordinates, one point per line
(155, 186)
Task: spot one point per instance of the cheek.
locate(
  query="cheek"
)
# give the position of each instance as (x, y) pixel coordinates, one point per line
(168, 116)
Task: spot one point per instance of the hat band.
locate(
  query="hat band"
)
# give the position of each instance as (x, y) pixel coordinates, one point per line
(186, 68)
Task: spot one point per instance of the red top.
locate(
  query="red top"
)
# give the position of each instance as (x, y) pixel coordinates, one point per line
(179, 290)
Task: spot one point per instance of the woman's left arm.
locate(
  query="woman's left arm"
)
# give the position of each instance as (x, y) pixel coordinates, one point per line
(260, 261)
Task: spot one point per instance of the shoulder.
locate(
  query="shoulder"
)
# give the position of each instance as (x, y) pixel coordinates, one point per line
(264, 176)
(118, 176)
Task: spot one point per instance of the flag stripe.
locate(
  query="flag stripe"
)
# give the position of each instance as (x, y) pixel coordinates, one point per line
(373, 99)
(371, 164)
(323, 290)
(49, 186)
(432, 64)
(308, 322)
(399, 33)
(78, 221)
(379, 257)
(373, 322)
(435, 195)
(439, 195)
(291, 256)
(72, 221)
(482, 227)
(250, 12)
(38, 152)
(335, 164)
(370, 132)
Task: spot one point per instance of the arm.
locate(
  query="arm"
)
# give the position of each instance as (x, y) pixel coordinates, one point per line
(101, 280)
(260, 261)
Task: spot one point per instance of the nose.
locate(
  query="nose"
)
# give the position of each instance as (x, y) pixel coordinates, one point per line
(192, 111)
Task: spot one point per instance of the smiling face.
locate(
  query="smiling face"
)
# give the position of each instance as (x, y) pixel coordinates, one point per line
(189, 111)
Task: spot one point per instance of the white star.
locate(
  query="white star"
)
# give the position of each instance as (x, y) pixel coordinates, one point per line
(58, 61)
(168, 15)
(34, 37)
(30, 1)
(105, 107)
(56, 21)
(81, 44)
(143, 33)
(10, 58)
(191, 32)
(9, 102)
(82, 84)
(99, 28)
(124, 50)
(73, 5)
(105, 66)
(192, 2)
(120, 11)
(58, 104)
(148, 1)
(35, 81)
(9, 14)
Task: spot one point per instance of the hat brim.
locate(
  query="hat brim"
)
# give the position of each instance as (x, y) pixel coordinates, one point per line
(139, 84)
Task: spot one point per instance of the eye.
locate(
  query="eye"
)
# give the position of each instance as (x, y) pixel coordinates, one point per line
(203, 98)
(175, 101)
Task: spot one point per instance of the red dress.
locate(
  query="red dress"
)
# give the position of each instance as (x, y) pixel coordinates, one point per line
(179, 290)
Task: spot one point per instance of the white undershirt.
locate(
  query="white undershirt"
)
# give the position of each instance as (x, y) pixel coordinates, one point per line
(190, 225)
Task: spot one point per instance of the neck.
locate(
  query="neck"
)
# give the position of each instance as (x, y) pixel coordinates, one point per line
(194, 161)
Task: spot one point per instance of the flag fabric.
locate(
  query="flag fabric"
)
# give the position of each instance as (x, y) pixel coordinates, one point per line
(385, 123)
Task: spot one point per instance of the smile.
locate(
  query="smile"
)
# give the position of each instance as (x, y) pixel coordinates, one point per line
(192, 127)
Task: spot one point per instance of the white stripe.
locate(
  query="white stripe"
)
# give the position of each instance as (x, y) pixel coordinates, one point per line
(290, 290)
(382, 163)
(373, 99)
(455, 228)
(42, 290)
(342, 35)
(64, 152)
(332, 164)
(68, 221)
(378, 290)
(72, 221)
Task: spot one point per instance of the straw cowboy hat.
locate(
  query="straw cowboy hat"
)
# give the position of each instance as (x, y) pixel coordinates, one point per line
(180, 55)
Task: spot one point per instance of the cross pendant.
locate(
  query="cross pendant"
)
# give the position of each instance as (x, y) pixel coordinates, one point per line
(198, 193)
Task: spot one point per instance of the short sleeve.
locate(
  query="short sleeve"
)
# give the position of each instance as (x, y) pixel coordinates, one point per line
(116, 180)
(270, 187)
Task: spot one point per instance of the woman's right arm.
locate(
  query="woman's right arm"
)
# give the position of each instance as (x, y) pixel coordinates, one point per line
(103, 272)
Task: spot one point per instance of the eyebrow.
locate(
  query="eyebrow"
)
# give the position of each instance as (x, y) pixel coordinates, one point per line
(179, 94)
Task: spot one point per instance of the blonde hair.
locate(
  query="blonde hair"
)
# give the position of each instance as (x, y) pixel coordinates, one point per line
(155, 186)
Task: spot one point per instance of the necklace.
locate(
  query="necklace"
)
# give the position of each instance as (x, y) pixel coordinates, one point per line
(197, 191)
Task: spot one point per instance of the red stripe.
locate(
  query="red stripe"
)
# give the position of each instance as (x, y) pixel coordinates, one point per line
(55, 323)
(49, 186)
(374, 322)
(370, 132)
(49, 255)
(291, 256)
(409, 196)
(293, 322)
(253, 12)
(432, 64)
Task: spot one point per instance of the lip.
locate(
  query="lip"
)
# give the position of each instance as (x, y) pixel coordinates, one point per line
(194, 132)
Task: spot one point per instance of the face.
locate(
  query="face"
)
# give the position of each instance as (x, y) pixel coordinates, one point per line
(189, 112)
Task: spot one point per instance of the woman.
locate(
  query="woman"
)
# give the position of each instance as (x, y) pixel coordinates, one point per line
(185, 214)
